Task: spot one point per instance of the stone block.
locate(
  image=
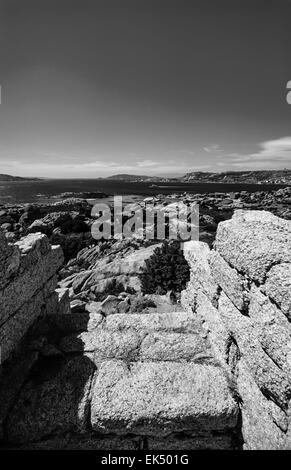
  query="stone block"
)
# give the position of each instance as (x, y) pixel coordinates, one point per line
(161, 397)
(172, 321)
(253, 241)
(164, 346)
(105, 344)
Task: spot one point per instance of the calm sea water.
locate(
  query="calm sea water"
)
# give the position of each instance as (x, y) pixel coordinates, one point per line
(44, 190)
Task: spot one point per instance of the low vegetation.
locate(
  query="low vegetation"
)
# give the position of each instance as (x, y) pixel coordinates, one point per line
(166, 270)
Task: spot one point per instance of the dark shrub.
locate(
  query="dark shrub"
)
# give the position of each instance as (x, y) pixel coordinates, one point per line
(165, 270)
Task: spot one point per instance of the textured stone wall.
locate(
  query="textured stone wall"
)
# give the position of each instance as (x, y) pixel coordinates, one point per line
(27, 286)
(241, 290)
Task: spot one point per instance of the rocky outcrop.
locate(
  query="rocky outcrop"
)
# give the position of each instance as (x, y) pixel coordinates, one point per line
(66, 223)
(210, 375)
(241, 290)
(28, 295)
(28, 282)
(122, 267)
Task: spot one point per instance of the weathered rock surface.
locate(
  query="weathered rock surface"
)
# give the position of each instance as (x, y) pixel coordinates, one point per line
(174, 321)
(233, 284)
(278, 286)
(28, 281)
(272, 328)
(121, 269)
(131, 377)
(248, 325)
(160, 398)
(254, 241)
(270, 378)
(198, 254)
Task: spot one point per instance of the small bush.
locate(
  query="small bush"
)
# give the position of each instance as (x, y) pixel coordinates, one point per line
(165, 270)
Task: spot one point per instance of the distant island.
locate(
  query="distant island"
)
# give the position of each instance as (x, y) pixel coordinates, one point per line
(139, 178)
(251, 177)
(4, 177)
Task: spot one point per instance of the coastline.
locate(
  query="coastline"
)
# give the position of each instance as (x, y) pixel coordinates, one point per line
(49, 189)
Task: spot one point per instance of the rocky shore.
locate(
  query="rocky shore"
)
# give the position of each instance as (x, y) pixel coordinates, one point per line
(74, 315)
(71, 215)
(68, 223)
(91, 362)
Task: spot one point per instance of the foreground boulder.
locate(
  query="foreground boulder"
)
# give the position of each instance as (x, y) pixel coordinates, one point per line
(241, 291)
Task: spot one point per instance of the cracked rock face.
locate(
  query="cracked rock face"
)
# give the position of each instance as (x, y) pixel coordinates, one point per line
(27, 286)
(248, 323)
(254, 241)
(278, 287)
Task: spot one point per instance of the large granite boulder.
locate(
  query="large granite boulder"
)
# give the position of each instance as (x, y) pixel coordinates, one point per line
(248, 319)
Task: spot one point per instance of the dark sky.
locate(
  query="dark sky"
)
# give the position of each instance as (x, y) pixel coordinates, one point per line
(97, 87)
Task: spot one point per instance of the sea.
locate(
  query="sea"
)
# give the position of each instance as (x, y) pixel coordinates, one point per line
(43, 191)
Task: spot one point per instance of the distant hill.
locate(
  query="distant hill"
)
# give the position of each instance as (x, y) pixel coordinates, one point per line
(255, 177)
(16, 178)
(260, 176)
(139, 178)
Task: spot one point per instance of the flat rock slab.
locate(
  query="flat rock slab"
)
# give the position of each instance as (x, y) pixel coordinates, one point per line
(131, 345)
(161, 397)
(175, 336)
(164, 346)
(171, 321)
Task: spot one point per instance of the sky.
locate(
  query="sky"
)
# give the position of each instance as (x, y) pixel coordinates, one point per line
(92, 88)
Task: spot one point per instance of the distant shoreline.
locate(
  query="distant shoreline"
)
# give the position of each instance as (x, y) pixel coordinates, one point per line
(251, 177)
(160, 185)
(42, 191)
